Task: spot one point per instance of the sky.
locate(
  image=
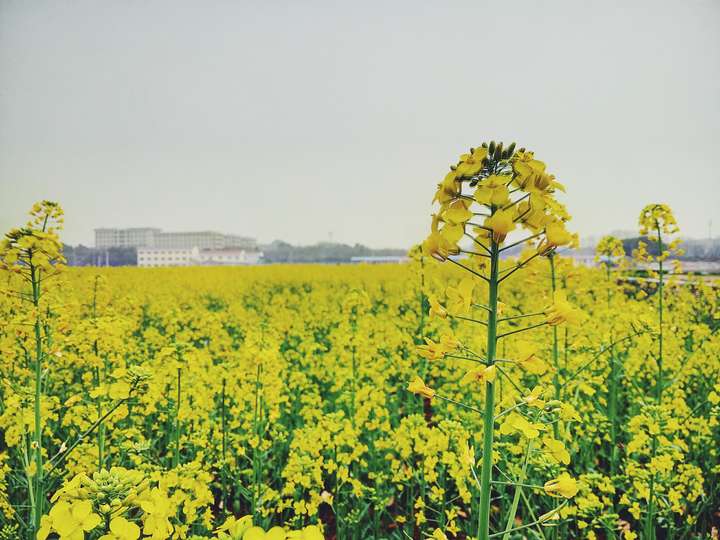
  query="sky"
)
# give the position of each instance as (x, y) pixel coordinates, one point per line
(311, 121)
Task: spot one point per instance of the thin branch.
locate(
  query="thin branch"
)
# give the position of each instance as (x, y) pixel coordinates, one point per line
(521, 241)
(467, 319)
(521, 316)
(550, 514)
(518, 267)
(532, 514)
(696, 409)
(483, 227)
(525, 213)
(60, 456)
(478, 243)
(460, 403)
(471, 351)
(477, 360)
(469, 270)
(508, 410)
(477, 480)
(513, 203)
(506, 475)
(474, 253)
(522, 329)
(600, 353)
(517, 484)
(504, 374)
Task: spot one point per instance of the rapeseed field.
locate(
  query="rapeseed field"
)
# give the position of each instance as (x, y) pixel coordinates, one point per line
(489, 388)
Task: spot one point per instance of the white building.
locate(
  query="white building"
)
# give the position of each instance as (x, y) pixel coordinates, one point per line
(380, 259)
(228, 257)
(165, 257)
(240, 242)
(135, 237)
(147, 237)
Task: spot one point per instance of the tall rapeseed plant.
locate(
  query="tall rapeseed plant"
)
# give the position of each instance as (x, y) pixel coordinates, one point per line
(657, 223)
(491, 192)
(32, 255)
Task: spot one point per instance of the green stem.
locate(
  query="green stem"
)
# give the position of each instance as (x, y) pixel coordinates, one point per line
(529, 508)
(612, 412)
(556, 379)
(37, 504)
(612, 386)
(649, 531)
(176, 455)
(650, 517)
(518, 491)
(609, 291)
(224, 450)
(29, 480)
(488, 422)
(99, 380)
(422, 294)
(659, 388)
(256, 451)
(354, 372)
(102, 428)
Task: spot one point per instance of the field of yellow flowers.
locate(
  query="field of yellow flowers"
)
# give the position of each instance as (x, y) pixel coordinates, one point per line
(465, 394)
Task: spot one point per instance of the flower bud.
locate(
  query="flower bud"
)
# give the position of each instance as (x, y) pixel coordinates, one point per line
(498, 151)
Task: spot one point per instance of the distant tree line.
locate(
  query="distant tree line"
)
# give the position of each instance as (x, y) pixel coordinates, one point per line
(87, 256)
(277, 252)
(325, 252)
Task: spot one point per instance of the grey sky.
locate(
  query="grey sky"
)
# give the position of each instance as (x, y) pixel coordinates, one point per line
(294, 120)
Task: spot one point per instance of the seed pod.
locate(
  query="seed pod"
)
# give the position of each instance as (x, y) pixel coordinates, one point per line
(491, 149)
(522, 149)
(484, 145)
(510, 150)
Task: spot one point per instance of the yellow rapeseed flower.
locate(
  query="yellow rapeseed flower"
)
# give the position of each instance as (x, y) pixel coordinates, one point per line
(562, 486)
(501, 223)
(482, 375)
(561, 311)
(417, 386)
(122, 529)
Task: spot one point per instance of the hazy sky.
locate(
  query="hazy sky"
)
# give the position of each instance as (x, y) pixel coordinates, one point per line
(297, 120)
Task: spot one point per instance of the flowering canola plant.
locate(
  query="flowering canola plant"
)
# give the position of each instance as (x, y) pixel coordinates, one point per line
(488, 194)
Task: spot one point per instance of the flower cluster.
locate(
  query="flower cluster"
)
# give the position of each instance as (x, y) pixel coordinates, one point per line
(488, 176)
